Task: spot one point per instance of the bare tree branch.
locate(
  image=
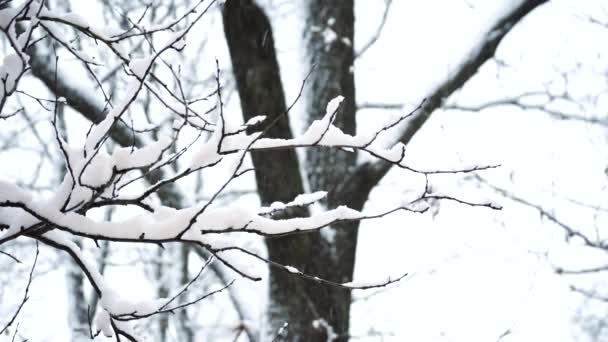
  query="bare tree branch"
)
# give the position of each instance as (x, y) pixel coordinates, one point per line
(25, 294)
(480, 53)
(376, 35)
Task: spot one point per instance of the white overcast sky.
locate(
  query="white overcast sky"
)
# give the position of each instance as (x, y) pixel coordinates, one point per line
(474, 273)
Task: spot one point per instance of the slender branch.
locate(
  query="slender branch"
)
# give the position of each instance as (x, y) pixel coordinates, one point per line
(480, 53)
(10, 256)
(378, 32)
(520, 102)
(589, 294)
(570, 231)
(25, 294)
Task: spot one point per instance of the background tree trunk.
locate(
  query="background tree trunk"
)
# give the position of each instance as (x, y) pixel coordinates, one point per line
(326, 168)
(299, 303)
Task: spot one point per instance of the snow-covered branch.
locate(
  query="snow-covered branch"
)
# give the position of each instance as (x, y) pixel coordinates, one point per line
(99, 174)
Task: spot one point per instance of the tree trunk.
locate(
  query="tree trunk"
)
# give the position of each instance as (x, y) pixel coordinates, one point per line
(327, 168)
(293, 300)
(77, 312)
(183, 322)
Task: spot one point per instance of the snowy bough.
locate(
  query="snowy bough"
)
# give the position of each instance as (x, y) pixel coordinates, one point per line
(99, 173)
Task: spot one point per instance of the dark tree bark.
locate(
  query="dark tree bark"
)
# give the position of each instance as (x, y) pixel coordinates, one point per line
(333, 76)
(327, 168)
(78, 310)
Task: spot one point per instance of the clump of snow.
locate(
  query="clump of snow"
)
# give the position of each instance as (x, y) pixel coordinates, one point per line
(329, 330)
(124, 158)
(292, 269)
(10, 70)
(304, 199)
(113, 302)
(239, 141)
(180, 44)
(319, 127)
(226, 217)
(140, 66)
(329, 36)
(269, 226)
(333, 105)
(419, 206)
(98, 132)
(277, 206)
(334, 136)
(174, 38)
(300, 200)
(101, 129)
(396, 152)
(103, 323)
(255, 120)
(76, 19)
(368, 283)
(206, 154)
(99, 171)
